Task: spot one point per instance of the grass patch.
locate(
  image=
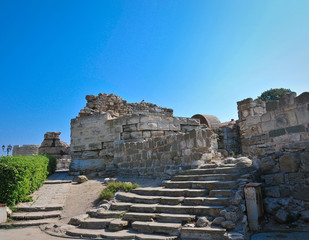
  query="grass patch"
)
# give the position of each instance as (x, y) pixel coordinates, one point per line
(109, 192)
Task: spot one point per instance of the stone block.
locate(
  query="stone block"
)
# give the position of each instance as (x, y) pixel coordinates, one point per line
(109, 137)
(268, 165)
(289, 163)
(90, 154)
(135, 135)
(304, 159)
(253, 120)
(266, 117)
(301, 192)
(157, 133)
(273, 179)
(272, 192)
(133, 120)
(302, 98)
(282, 120)
(268, 126)
(292, 118)
(146, 134)
(296, 129)
(193, 121)
(163, 126)
(130, 128)
(277, 132)
(272, 105)
(302, 115)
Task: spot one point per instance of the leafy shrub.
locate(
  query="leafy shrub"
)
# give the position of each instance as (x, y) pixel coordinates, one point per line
(109, 192)
(20, 176)
(52, 164)
(274, 94)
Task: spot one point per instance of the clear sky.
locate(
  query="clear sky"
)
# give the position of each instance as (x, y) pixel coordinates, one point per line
(189, 55)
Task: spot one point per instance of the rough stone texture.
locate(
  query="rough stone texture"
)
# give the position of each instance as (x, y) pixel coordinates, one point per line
(82, 179)
(52, 145)
(276, 136)
(112, 136)
(202, 222)
(26, 150)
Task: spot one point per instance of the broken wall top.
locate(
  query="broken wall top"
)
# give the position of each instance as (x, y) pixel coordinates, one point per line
(118, 107)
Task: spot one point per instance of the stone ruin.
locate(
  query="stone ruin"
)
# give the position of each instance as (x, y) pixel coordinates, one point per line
(111, 137)
(51, 145)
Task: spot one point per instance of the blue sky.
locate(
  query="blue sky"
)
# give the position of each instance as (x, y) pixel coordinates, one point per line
(192, 56)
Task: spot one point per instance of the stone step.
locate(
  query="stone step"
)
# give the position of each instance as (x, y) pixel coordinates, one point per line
(109, 214)
(35, 215)
(123, 234)
(57, 181)
(136, 198)
(175, 218)
(117, 224)
(201, 184)
(209, 201)
(120, 206)
(205, 177)
(177, 192)
(201, 171)
(221, 193)
(26, 208)
(95, 223)
(29, 223)
(175, 209)
(157, 227)
(159, 217)
(212, 233)
(206, 166)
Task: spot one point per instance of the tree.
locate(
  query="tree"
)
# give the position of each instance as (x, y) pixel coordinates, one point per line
(273, 94)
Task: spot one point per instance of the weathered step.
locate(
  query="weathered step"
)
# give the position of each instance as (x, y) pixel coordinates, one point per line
(29, 223)
(175, 218)
(156, 227)
(220, 193)
(25, 208)
(176, 209)
(212, 201)
(136, 216)
(57, 181)
(202, 171)
(117, 224)
(120, 206)
(205, 166)
(35, 215)
(177, 192)
(95, 223)
(202, 233)
(201, 184)
(160, 217)
(136, 198)
(205, 177)
(123, 234)
(109, 214)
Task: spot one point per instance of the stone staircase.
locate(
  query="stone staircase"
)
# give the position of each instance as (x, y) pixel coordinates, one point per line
(47, 203)
(166, 212)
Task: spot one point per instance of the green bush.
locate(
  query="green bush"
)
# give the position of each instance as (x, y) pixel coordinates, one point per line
(20, 176)
(52, 164)
(110, 190)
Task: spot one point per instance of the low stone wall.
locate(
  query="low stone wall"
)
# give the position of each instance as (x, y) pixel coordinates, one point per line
(275, 134)
(26, 150)
(152, 157)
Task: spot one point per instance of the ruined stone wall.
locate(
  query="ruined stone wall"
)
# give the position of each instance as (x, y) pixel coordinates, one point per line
(276, 135)
(163, 156)
(108, 124)
(26, 150)
(94, 137)
(119, 107)
(52, 145)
